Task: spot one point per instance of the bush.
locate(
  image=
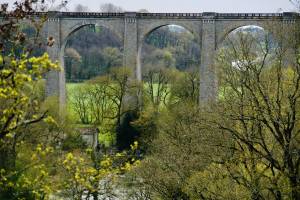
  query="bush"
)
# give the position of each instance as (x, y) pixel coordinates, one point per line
(73, 141)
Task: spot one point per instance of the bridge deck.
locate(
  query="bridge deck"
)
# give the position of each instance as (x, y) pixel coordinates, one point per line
(168, 15)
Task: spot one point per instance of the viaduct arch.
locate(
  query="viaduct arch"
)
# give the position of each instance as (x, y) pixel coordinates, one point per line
(209, 29)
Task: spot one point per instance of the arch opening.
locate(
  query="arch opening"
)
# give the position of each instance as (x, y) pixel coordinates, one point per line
(175, 40)
(91, 51)
(89, 55)
(245, 51)
(169, 61)
(251, 41)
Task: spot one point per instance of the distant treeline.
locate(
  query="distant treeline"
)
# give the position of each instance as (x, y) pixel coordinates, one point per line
(91, 51)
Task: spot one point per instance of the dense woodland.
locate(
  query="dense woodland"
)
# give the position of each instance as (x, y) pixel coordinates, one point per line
(157, 141)
(91, 51)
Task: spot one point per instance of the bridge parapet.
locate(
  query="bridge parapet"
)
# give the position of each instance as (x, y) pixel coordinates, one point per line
(169, 15)
(85, 14)
(248, 15)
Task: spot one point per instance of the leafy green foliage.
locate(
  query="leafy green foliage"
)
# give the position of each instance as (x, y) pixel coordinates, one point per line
(73, 141)
(92, 175)
(90, 52)
(170, 47)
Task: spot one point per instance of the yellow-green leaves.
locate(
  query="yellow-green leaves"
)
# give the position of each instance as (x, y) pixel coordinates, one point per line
(82, 174)
(134, 146)
(16, 75)
(1, 60)
(35, 178)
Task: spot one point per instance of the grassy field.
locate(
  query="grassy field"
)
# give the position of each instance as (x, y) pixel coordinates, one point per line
(72, 86)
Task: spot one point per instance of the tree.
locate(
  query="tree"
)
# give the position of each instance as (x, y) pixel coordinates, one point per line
(90, 175)
(80, 103)
(296, 4)
(185, 88)
(30, 138)
(51, 5)
(182, 146)
(81, 8)
(20, 73)
(143, 10)
(258, 109)
(102, 108)
(252, 128)
(73, 60)
(120, 89)
(214, 182)
(124, 96)
(157, 86)
(109, 7)
(112, 58)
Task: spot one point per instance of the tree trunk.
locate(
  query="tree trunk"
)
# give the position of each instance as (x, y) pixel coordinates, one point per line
(295, 187)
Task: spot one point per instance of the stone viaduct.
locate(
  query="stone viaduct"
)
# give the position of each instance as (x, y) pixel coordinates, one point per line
(209, 29)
